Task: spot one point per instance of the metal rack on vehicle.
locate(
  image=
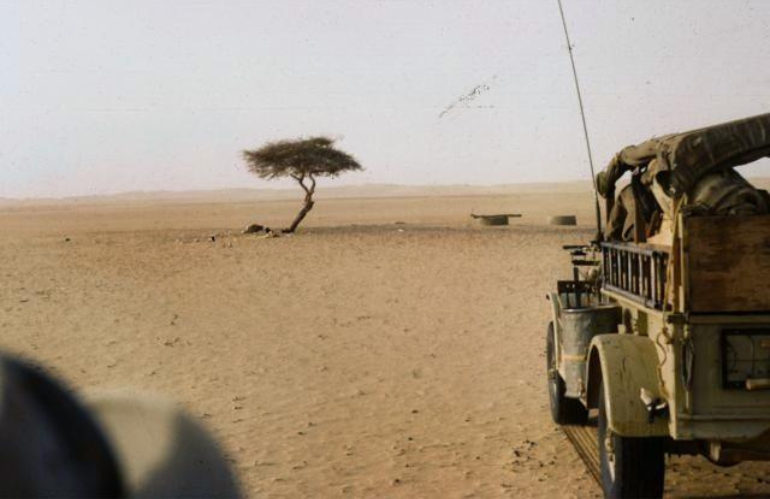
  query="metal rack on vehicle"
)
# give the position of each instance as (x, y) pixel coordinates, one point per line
(635, 271)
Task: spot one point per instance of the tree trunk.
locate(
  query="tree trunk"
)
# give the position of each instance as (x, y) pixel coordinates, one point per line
(309, 203)
(301, 215)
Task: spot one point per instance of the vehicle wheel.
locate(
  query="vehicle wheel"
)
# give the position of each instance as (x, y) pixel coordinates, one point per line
(630, 466)
(564, 410)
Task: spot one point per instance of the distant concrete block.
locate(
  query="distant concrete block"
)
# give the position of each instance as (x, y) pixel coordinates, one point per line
(562, 220)
(494, 220)
(499, 219)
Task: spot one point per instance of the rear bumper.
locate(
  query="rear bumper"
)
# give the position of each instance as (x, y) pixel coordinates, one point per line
(736, 429)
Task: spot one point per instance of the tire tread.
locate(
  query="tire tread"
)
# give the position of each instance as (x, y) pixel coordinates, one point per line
(640, 463)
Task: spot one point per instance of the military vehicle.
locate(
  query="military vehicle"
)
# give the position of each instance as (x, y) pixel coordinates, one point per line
(662, 342)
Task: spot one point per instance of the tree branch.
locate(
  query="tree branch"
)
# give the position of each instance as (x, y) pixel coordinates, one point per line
(312, 183)
(301, 180)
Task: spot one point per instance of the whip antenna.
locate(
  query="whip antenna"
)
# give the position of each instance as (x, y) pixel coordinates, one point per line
(585, 126)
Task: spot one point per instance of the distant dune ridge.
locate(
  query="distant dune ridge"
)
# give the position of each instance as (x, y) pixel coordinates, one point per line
(324, 191)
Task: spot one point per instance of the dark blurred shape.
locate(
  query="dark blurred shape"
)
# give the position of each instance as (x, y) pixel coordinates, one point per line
(162, 451)
(133, 445)
(49, 444)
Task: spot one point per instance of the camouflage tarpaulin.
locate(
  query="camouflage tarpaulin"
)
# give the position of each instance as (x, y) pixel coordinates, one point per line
(687, 156)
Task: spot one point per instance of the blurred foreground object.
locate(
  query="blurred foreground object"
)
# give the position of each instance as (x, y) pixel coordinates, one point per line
(161, 451)
(51, 445)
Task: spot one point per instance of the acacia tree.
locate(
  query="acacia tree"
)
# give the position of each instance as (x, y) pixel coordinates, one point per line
(303, 160)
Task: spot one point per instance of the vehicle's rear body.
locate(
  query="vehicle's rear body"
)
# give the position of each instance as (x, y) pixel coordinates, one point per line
(704, 302)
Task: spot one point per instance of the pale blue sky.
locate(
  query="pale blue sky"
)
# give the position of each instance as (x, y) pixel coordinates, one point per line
(101, 96)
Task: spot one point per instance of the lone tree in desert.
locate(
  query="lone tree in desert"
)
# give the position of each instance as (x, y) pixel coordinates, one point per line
(303, 160)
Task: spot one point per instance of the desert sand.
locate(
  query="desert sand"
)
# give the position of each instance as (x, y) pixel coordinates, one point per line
(391, 348)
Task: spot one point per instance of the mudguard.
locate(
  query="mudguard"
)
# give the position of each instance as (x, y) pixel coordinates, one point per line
(625, 364)
(555, 311)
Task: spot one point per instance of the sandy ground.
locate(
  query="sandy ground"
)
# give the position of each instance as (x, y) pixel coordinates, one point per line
(359, 358)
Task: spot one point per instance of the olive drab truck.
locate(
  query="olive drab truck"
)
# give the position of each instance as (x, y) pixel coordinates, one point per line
(661, 341)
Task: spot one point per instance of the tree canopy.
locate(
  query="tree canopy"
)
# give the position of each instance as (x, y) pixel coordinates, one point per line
(314, 156)
(303, 160)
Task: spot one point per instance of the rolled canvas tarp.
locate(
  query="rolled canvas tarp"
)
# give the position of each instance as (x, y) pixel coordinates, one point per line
(688, 156)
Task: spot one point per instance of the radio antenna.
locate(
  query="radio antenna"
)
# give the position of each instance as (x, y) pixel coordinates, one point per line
(585, 126)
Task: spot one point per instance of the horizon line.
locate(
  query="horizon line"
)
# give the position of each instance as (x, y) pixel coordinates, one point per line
(286, 189)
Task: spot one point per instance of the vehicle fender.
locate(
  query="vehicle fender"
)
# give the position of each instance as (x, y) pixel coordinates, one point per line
(624, 364)
(555, 311)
